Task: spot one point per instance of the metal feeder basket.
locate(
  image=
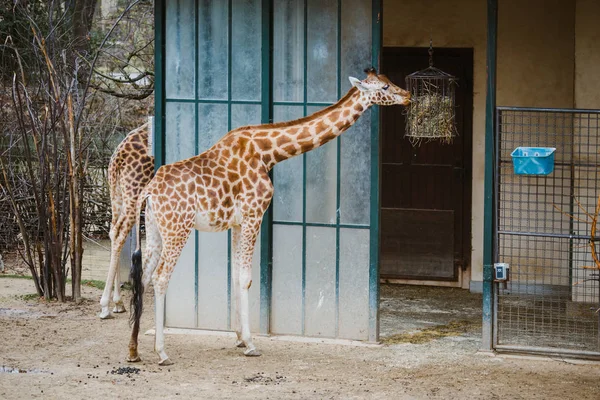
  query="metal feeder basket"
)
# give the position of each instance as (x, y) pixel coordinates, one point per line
(431, 113)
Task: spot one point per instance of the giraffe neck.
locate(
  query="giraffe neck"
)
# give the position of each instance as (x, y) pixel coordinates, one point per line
(289, 139)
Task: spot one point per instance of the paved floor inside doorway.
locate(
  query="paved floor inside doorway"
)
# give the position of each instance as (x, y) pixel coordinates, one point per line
(409, 311)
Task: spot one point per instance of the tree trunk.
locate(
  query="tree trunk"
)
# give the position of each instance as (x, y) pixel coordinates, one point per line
(83, 15)
(75, 174)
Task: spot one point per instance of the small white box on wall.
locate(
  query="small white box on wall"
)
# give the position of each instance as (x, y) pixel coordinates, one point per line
(501, 271)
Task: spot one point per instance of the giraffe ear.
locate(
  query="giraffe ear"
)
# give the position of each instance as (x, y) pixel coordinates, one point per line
(357, 84)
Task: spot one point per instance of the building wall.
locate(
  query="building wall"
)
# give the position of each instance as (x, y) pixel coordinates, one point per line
(535, 62)
(536, 53)
(587, 54)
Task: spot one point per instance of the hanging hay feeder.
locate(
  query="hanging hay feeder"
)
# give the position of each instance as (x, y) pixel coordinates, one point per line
(431, 113)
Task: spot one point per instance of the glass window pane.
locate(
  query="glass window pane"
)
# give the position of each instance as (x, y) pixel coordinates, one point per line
(246, 50)
(355, 171)
(286, 301)
(181, 294)
(322, 51)
(354, 284)
(213, 22)
(254, 293)
(320, 293)
(356, 143)
(321, 182)
(179, 39)
(356, 39)
(245, 114)
(212, 280)
(212, 125)
(179, 132)
(288, 51)
(287, 176)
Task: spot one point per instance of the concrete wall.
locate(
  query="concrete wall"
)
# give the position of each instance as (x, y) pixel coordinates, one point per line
(587, 54)
(536, 62)
(536, 49)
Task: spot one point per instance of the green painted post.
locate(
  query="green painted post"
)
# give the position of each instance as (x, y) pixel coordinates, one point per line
(159, 84)
(266, 232)
(375, 179)
(488, 221)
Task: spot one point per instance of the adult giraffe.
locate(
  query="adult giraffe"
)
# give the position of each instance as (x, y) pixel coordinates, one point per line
(129, 171)
(228, 187)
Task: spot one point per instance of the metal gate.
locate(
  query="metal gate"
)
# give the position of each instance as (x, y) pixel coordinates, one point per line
(545, 229)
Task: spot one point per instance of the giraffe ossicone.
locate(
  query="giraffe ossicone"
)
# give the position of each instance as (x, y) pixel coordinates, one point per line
(228, 187)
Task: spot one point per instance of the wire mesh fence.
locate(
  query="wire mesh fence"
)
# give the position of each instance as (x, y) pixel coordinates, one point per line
(546, 231)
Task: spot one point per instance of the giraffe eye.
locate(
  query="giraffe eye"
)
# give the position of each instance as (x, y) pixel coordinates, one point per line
(386, 87)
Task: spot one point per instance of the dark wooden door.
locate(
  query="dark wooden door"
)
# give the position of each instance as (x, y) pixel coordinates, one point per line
(426, 190)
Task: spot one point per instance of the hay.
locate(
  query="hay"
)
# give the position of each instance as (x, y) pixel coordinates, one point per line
(453, 328)
(430, 116)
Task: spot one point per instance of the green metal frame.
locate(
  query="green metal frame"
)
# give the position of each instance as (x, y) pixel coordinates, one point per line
(159, 84)
(375, 211)
(266, 232)
(488, 222)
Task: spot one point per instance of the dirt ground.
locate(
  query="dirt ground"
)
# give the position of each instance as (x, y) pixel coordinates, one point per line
(52, 351)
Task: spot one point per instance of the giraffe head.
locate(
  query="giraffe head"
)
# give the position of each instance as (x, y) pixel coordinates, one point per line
(380, 90)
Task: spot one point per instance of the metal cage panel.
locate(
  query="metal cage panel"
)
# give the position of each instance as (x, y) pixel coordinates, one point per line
(544, 229)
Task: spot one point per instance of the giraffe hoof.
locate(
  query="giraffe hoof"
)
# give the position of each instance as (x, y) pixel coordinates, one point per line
(105, 314)
(165, 362)
(134, 359)
(252, 353)
(119, 308)
(240, 343)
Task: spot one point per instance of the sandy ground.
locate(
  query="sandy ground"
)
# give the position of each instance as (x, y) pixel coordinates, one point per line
(65, 351)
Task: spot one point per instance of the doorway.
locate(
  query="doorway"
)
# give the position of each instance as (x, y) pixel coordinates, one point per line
(426, 189)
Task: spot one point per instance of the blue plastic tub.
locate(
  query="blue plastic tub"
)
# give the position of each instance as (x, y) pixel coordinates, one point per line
(533, 160)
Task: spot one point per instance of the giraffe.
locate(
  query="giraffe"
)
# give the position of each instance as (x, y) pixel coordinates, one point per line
(129, 171)
(228, 187)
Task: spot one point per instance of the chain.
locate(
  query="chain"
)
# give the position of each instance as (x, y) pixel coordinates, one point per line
(430, 52)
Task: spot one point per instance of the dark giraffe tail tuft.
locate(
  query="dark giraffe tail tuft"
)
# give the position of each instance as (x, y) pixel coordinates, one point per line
(135, 275)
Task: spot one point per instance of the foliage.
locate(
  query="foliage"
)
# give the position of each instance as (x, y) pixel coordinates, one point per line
(13, 276)
(125, 67)
(58, 125)
(30, 296)
(94, 283)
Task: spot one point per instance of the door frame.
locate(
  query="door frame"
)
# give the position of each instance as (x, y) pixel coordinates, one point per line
(464, 272)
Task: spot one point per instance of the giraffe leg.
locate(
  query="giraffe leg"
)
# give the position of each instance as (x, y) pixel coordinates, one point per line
(118, 234)
(116, 203)
(171, 251)
(243, 256)
(159, 340)
(133, 342)
(237, 323)
(152, 256)
(119, 306)
(153, 249)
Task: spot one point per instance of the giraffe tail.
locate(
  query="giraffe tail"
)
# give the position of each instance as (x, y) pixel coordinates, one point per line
(135, 276)
(137, 287)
